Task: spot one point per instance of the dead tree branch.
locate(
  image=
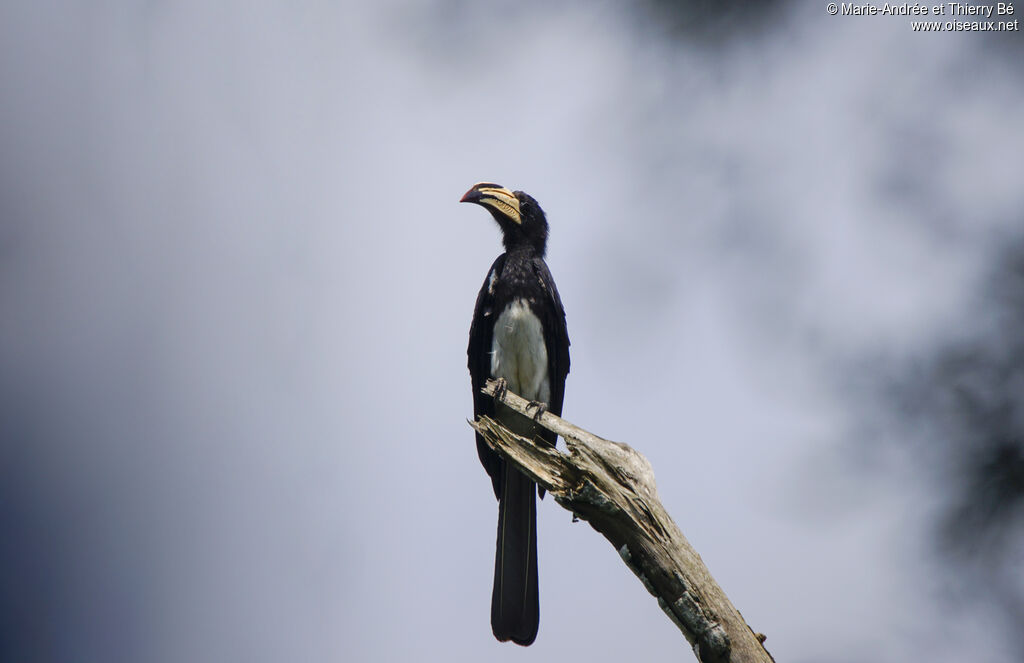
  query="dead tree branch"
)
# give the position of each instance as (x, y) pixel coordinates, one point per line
(611, 486)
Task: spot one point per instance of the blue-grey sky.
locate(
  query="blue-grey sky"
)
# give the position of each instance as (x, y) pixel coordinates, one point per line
(236, 286)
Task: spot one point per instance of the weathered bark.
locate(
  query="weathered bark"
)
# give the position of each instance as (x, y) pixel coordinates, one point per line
(611, 486)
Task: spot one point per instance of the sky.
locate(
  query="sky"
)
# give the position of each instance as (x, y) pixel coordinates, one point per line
(236, 288)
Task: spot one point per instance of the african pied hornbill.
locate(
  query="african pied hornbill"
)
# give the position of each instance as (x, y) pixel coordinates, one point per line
(518, 335)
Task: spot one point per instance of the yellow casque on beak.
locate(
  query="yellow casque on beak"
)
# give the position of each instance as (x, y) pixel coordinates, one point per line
(496, 197)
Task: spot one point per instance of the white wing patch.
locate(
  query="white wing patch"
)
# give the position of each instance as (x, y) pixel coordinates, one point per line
(519, 354)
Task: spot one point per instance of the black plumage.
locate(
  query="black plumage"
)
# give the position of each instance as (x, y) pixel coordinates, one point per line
(518, 333)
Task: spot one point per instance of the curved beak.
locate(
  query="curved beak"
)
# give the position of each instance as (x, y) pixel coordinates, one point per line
(496, 197)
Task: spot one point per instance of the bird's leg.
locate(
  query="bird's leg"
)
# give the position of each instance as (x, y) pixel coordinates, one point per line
(500, 390)
(541, 409)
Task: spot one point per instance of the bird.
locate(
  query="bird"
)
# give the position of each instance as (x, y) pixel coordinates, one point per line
(518, 336)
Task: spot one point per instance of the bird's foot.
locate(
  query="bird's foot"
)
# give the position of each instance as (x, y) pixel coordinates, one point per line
(541, 409)
(501, 390)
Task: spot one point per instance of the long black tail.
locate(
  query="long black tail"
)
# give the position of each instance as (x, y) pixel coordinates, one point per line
(515, 608)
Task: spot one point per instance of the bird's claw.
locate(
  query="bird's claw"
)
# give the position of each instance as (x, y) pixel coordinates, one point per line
(541, 409)
(500, 389)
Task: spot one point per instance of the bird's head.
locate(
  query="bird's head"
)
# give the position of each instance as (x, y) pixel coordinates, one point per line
(521, 219)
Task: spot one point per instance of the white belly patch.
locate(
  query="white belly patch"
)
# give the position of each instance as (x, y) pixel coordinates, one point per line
(518, 352)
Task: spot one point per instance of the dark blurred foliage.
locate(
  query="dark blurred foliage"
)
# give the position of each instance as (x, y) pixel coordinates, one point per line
(712, 22)
(703, 22)
(964, 405)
